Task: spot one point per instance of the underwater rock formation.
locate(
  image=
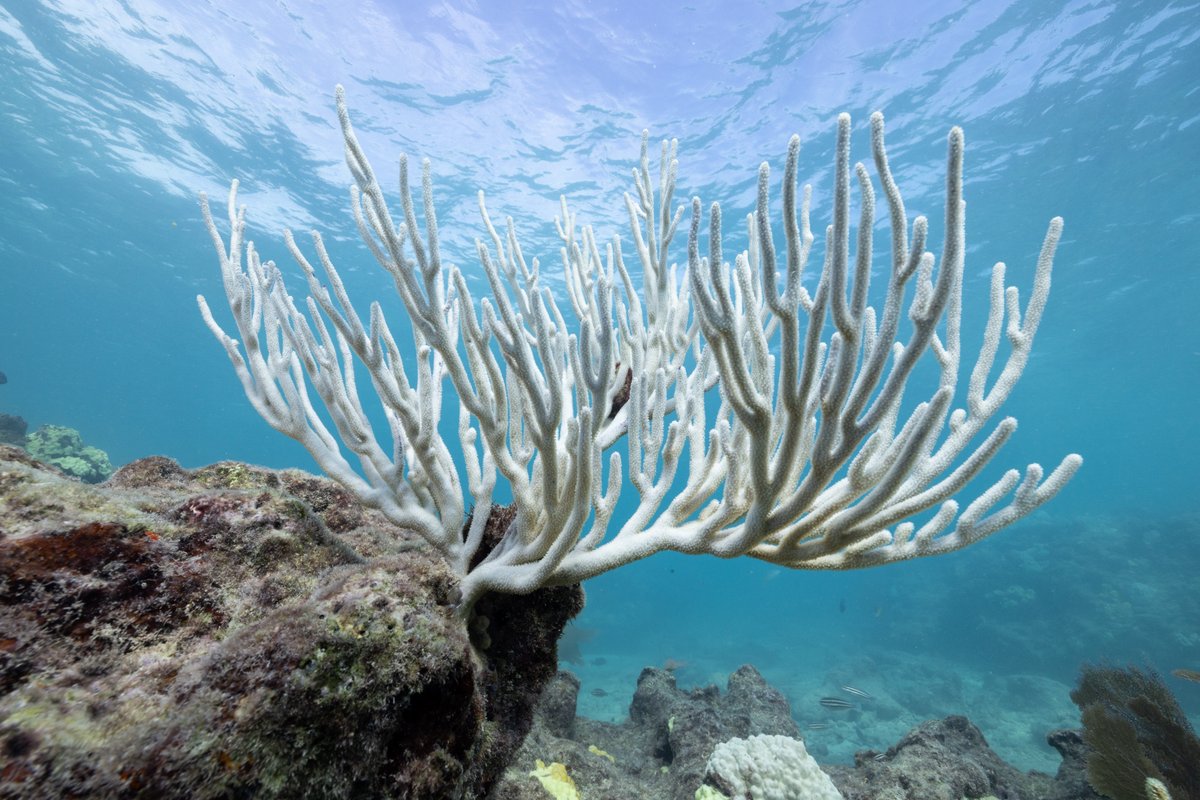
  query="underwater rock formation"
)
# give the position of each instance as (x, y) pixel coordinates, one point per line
(211, 633)
(661, 750)
(949, 759)
(63, 447)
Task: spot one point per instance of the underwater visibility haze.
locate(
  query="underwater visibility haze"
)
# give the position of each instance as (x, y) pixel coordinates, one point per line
(117, 115)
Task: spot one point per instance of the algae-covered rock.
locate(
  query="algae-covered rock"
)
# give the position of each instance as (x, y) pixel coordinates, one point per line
(210, 634)
(63, 447)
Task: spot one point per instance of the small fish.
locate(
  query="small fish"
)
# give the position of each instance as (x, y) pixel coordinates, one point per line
(3, 378)
(818, 726)
(599, 693)
(879, 757)
(1187, 674)
(856, 692)
(835, 702)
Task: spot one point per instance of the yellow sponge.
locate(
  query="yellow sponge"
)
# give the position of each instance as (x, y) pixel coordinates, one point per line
(556, 781)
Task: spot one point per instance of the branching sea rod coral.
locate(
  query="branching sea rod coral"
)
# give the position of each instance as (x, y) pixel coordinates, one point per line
(807, 461)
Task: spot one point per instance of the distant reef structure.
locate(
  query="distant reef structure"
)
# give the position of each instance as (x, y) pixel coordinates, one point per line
(57, 445)
(63, 447)
(234, 631)
(663, 749)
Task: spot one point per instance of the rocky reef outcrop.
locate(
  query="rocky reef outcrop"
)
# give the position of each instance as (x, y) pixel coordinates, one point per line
(235, 631)
(661, 750)
(63, 447)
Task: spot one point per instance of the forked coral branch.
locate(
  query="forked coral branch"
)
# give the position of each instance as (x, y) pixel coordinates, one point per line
(806, 457)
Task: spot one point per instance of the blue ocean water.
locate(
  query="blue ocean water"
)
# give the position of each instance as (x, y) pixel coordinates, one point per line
(117, 113)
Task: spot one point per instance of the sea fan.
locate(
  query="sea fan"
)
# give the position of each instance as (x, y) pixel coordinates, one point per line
(1136, 730)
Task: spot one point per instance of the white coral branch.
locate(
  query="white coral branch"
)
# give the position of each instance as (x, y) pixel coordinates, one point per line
(805, 461)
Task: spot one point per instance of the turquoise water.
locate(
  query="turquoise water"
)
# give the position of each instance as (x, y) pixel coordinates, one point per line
(116, 114)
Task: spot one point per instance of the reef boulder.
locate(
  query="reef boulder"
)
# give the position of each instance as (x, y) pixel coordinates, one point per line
(63, 447)
(234, 631)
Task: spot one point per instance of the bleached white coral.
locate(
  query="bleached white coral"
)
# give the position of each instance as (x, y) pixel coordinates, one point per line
(752, 413)
(769, 768)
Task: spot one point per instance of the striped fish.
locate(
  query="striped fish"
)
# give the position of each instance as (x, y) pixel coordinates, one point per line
(856, 692)
(835, 702)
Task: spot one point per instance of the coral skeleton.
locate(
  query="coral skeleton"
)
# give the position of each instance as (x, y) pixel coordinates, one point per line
(744, 426)
(766, 767)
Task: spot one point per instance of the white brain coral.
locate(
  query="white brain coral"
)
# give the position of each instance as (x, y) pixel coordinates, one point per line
(769, 768)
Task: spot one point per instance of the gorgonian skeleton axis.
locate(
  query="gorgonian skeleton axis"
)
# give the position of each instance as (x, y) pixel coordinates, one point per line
(807, 462)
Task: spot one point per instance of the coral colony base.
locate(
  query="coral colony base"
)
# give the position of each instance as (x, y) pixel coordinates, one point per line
(807, 462)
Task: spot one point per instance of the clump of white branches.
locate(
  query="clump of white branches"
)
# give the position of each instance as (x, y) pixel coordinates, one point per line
(806, 462)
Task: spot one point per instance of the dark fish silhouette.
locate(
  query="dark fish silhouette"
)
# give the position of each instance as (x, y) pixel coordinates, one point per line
(3, 378)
